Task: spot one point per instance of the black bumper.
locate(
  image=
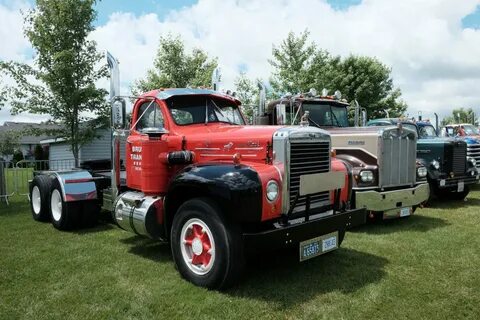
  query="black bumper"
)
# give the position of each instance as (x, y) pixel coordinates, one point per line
(453, 182)
(293, 234)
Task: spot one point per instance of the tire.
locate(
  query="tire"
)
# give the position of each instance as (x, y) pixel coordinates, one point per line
(199, 226)
(65, 215)
(40, 197)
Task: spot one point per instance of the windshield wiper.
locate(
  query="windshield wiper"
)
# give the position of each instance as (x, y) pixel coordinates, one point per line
(314, 123)
(334, 116)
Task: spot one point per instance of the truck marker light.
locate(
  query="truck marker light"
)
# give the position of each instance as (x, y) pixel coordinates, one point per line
(237, 157)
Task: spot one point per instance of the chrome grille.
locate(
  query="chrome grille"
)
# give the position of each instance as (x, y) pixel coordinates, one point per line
(459, 155)
(308, 157)
(397, 160)
(473, 151)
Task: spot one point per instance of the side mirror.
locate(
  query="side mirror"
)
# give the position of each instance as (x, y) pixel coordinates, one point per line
(281, 112)
(118, 113)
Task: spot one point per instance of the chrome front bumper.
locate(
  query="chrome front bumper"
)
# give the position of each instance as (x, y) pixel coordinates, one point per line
(374, 200)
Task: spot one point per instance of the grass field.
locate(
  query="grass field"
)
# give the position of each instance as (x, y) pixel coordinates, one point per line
(423, 267)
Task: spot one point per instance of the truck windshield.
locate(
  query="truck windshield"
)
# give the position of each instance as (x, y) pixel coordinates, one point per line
(426, 132)
(188, 110)
(470, 130)
(326, 115)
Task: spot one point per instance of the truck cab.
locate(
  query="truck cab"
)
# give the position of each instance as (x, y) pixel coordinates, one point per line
(451, 171)
(198, 177)
(387, 179)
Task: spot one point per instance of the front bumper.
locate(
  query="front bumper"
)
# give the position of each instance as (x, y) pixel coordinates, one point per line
(379, 201)
(294, 233)
(452, 183)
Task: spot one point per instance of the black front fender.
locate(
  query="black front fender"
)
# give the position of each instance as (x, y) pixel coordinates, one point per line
(236, 188)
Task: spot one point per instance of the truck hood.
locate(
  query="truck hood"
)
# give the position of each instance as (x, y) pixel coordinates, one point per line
(215, 141)
(364, 142)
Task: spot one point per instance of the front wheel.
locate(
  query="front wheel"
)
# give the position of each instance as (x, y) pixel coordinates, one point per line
(206, 247)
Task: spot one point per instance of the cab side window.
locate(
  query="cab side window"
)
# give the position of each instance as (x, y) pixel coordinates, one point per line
(149, 116)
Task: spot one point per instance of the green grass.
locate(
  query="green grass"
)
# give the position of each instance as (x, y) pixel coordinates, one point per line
(424, 267)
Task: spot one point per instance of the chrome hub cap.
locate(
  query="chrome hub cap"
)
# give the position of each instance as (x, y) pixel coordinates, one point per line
(36, 201)
(197, 246)
(56, 205)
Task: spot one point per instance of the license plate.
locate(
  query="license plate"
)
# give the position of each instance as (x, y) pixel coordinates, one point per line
(442, 183)
(404, 212)
(460, 186)
(319, 245)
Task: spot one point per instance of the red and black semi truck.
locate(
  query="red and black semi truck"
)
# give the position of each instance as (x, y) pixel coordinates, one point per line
(196, 176)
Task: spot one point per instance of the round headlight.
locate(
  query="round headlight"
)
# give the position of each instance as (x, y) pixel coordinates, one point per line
(366, 176)
(472, 161)
(272, 190)
(435, 164)
(422, 172)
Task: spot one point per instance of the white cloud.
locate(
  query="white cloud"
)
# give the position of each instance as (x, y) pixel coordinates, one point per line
(433, 59)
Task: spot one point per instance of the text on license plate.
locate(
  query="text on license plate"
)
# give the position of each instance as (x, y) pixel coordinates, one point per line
(319, 245)
(404, 212)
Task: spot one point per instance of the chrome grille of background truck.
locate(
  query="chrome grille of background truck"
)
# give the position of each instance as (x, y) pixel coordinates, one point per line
(473, 151)
(307, 158)
(397, 159)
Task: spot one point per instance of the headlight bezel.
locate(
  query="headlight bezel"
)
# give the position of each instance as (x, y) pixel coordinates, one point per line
(272, 184)
(366, 176)
(472, 162)
(435, 164)
(422, 172)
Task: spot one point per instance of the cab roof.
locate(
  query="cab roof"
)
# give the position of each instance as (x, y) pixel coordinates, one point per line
(164, 94)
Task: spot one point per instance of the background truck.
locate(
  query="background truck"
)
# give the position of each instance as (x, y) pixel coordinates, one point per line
(197, 177)
(450, 171)
(470, 135)
(386, 178)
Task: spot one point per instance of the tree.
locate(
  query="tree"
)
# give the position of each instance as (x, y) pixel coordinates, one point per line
(247, 92)
(61, 82)
(175, 68)
(368, 81)
(8, 143)
(292, 64)
(460, 115)
(299, 65)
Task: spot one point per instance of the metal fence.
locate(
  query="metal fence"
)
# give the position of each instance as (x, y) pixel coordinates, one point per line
(14, 177)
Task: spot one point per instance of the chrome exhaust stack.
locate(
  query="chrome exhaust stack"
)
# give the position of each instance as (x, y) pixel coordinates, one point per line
(117, 121)
(261, 118)
(216, 79)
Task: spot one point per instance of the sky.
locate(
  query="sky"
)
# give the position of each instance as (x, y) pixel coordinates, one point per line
(432, 46)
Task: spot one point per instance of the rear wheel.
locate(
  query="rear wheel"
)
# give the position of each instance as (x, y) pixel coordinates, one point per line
(65, 215)
(207, 249)
(39, 198)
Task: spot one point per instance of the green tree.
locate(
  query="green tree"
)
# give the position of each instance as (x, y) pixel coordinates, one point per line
(292, 64)
(368, 81)
(9, 142)
(247, 92)
(460, 115)
(61, 82)
(176, 68)
(299, 65)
